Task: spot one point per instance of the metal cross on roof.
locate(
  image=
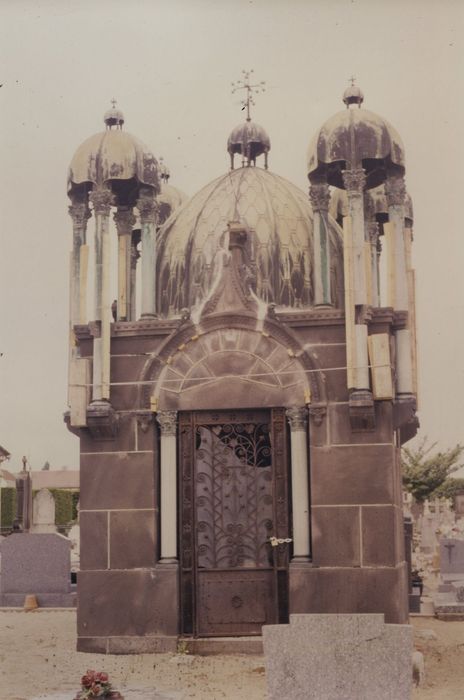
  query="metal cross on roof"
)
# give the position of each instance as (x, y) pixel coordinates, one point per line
(353, 79)
(245, 84)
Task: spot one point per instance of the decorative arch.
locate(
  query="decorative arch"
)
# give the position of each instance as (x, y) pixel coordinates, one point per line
(231, 361)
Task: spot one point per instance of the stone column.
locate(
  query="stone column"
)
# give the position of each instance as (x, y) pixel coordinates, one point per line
(374, 243)
(320, 197)
(371, 233)
(298, 419)
(168, 477)
(395, 191)
(80, 213)
(146, 204)
(135, 255)
(354, 181)
(102, 199)
(124, 219)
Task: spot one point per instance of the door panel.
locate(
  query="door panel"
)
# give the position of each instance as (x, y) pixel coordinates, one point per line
(234, 497)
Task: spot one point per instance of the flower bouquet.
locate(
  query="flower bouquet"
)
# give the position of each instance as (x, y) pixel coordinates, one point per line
(96, 684)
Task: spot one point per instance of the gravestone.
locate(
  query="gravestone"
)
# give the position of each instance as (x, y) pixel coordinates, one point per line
(329, 657)
(75, 539)
(43, 512)
(36, 564)
(451, 556)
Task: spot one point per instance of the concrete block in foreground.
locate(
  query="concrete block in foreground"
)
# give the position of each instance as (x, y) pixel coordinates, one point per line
(338, 657)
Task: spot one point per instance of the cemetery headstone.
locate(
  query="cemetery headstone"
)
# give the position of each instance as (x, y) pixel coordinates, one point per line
(37, 564)
(43, 512)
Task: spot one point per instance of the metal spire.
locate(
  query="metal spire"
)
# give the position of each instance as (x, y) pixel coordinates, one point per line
(245, 84)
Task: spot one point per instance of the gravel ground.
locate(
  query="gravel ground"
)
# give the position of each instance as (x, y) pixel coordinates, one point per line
(38, 657)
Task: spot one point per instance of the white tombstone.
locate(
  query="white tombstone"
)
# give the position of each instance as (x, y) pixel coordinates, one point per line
(43, 512)
(74, 536)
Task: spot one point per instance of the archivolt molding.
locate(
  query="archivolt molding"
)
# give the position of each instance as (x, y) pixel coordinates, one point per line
(265, 355)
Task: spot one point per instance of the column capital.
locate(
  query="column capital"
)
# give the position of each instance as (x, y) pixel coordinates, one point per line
(102, 199)
(167, 421)
(79, 213)
(124, 219)
(319, 196)
(297, 417)
(395, 190)
(354, 181)
(147, 206)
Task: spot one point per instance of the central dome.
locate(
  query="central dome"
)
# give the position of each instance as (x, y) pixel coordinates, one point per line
(279, 220)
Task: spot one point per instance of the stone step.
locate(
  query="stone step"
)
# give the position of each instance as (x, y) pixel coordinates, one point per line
(206, 646)
(450, 617)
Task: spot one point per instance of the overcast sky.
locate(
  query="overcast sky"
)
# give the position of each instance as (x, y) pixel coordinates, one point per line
(169, 63)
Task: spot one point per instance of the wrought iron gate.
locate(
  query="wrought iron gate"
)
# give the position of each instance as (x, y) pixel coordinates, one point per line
(233, 499)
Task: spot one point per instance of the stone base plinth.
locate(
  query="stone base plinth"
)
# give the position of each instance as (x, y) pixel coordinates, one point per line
(346, 590)
(329, 657)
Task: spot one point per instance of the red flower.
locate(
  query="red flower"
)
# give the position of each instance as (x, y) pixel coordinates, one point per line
(102, 677)
(87, 680)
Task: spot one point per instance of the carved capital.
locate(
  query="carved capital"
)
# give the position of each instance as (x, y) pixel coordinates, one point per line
(124, 219)
(297, 417)
(395, 190)
(147, 206)
(319, 196)
(102, 199)
(317, 414)
(79, 213)
(354, 181)
(167, 421)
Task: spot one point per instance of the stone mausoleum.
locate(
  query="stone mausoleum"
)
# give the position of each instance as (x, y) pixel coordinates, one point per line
(241, 403)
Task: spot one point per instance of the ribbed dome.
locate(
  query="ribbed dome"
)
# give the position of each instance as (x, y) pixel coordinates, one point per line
(354, 138)
(249, 140)
(112, 155)
(279, 220)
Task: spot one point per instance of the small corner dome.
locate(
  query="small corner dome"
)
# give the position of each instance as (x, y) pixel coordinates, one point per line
(355, 137)
(112, 155)
(248, 139)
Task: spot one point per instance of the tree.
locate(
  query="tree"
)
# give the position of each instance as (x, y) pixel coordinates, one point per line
(425, 473)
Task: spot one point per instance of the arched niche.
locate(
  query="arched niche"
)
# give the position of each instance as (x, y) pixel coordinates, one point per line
(234, 364)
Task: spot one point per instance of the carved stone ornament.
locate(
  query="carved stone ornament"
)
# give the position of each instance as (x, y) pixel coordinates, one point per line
(354, 180)
(102, 199)
(317, 414)
(297, 417)
(395, 190)
(167, 421)
(362, 410)
(147, 206)
(79, 213)
(124, 219)
(102, 420)
(319, 196)
(144, 420)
